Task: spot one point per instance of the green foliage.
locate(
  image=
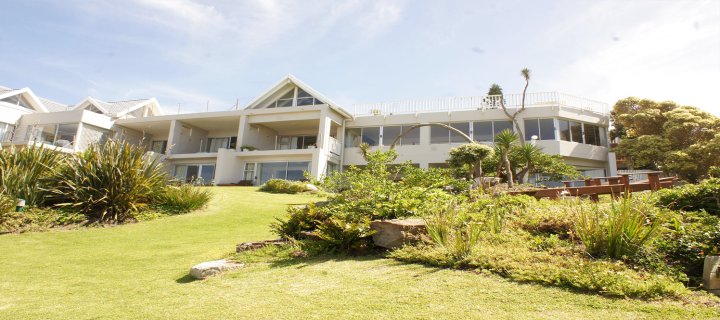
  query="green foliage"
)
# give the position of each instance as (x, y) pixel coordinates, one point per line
(27, 173)
(110, 182)
(183, 198)
(33, 218)
(527, 159)
(618, 231)
(452, 228)
(469, 157)
(345, 233)
(504, 141)
(692, 197)
(283, 186)
(663, 136)
(297, 220)
(435, 178)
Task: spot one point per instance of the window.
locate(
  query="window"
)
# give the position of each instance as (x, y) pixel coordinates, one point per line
(6, 131)
(158, 146)
(576, 134)
(390, 134)
(564, 128)
(412, 138)
(195, 173)
(305, 99)
(296, 142)
(544, 129)
(592, 134)
(352, 137)
(249, 173)
(439, 135)
(18, 100)
(371, 136)
(483, 131)
(213, 144)
(532, 128)
(462, 126)
(282, 170)
(501, 125)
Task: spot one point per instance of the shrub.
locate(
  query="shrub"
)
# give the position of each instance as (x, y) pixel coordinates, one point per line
(297, 220)
(26, 173)
(181, 198)
(110, 182)
(283, 186)
(452, 228)
(33, 218)
(345, 233)
(616, 232)
(692, 197)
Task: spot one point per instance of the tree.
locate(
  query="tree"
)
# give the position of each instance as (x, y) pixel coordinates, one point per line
(526, 154)
(503, 142)
(496, 90)
(664, 136)
(470, 156)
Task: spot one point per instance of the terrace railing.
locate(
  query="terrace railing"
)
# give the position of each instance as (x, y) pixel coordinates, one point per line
(479, 103)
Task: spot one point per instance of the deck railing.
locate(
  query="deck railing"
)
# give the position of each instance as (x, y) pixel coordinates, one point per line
(479, 103)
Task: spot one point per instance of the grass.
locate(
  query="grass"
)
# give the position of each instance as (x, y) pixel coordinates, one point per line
(139, 271)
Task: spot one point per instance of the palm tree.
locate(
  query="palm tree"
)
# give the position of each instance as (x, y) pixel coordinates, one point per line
(526, 153)
(503, 142)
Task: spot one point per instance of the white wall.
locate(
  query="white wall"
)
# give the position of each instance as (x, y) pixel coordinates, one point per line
(187, 138)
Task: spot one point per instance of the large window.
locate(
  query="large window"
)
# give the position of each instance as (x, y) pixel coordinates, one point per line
(564, 129)
(464, 127)
(158, 146)
(500, 126)
(576, 134)
(6, 131)
(390, 133)
(352, 137)
(195, 173)
(412, 138)
(213, 144)
(282, 170)
(483, 131)
(371, 136)
(544, 129)
(592, 134)
(439, 135)
(385, 135)
(306, 99)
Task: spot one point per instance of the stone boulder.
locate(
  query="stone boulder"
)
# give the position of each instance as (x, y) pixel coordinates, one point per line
(247, 246)
(211, 268)
(394, 233)
(711, 274)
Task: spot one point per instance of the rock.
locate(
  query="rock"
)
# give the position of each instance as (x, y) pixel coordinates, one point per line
(211, 268)
(392, 234)
(711, 274)
(311, 187)
(245, 246)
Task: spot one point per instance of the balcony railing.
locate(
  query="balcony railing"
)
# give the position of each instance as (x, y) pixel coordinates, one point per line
(479, 103)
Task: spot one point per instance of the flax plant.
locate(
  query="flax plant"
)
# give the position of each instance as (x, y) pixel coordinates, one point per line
(25, 173)
(448, 228)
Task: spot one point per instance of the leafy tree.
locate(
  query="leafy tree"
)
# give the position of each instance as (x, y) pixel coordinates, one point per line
(526, 153)
(664, 136)
(470, 156)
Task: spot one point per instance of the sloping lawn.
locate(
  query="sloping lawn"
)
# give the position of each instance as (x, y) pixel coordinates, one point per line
(139, 271)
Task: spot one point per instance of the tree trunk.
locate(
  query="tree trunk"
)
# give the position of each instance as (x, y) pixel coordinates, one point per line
(508, 170)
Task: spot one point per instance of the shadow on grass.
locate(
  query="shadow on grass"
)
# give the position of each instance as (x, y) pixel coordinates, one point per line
(186, 279)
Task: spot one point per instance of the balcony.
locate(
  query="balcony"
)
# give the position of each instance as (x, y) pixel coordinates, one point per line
(538, 99)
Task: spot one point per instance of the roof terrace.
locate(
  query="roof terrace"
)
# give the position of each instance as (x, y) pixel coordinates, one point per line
(537, 99)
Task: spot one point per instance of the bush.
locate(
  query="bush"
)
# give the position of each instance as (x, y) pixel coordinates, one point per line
(26, 173)
(619, 231)
(297, 220)
(181, 198)
(110, 182)
(452, 228)
(33, 218)
(692, 197)
(283, 186)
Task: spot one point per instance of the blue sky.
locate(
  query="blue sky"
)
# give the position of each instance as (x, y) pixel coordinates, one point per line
(191, 52)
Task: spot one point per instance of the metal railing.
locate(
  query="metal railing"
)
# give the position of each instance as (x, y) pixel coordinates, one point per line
(479, 103)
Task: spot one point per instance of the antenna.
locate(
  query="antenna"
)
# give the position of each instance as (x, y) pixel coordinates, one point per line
(178, 108)
(237, 103)
(207, 106)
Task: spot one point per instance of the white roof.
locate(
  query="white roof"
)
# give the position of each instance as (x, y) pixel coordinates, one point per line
(290, 79)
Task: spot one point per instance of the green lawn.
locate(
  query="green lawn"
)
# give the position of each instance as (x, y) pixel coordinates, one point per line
(139, 271)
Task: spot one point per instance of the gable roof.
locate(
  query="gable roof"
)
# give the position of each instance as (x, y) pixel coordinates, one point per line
(119, 109)
(290, 79)
(26, 93)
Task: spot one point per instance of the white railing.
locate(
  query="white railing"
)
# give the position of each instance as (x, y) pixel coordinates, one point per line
(335, 147)
(478, 103)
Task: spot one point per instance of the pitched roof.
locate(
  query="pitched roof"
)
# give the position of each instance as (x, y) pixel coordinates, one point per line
(54, 106)
(118, 108)
(255, 103)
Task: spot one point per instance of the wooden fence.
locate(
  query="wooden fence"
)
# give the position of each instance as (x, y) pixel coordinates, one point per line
(594, 187)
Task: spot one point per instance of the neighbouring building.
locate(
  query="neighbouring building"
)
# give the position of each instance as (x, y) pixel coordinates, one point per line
(291, 129)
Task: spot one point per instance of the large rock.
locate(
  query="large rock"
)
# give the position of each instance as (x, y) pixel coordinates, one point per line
(394, 233)
(711, 274)
(247, 246)
(211, 268)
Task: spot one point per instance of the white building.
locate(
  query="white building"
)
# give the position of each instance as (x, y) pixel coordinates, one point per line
(291, 129)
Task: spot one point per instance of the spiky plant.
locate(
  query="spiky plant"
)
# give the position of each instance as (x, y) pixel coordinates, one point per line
(503, 142)
(25, 173)
(110, 182)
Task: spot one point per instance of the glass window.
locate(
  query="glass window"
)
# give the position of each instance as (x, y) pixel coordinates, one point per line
(592, 134)
(6, 131)
(390, 134)
(181, 172)
(42, 133)
(411, 138)
(547, 129)
(483, 131)
(249, 173)
(66, 134)
(214, 144)
(371, 136)
(576, 132)
(285, 101)
(296, 170)
(233, 143)
(305, 99)
(531, 129)
(439, 135)
(462, 126)
(499, 126)
(308, 141)
(352, 137)
(564, 130)
(158, 146)
(207, 173)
